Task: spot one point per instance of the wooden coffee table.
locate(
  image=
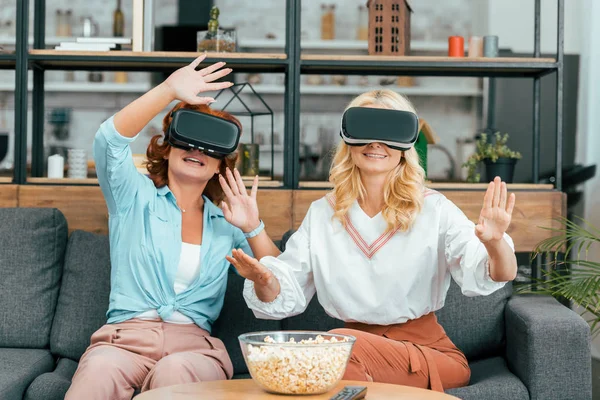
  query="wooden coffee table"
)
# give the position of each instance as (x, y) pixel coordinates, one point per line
(248, 390)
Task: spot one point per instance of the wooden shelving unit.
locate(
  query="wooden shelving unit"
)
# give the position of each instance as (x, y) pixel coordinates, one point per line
(427, 65)
(262, 183)
(152, 61)
(288, 55)
(449, 186)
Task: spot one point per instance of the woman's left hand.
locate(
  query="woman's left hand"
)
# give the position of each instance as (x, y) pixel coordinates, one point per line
(496, 213)
(239, 208)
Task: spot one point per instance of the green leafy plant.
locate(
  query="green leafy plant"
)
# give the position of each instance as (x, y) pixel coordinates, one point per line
(488, 151)
(576, 279)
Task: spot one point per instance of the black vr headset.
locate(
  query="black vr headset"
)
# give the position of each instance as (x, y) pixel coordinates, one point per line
(363, 125)
(215, 136)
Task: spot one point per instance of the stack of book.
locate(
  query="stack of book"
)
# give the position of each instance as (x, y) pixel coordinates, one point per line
(96, 44)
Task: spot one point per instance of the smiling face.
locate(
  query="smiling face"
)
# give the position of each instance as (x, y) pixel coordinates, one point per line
(192, 165)
(375, 158)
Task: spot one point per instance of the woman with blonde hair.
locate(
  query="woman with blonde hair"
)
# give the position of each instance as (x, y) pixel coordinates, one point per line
(379, 251)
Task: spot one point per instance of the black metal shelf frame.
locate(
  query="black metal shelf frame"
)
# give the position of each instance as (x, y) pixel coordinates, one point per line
(146, 63)
(293, 67)
(430, 68)
(8, 61)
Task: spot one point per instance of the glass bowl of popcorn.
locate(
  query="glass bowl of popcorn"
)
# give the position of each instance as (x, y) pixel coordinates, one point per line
(296, 362)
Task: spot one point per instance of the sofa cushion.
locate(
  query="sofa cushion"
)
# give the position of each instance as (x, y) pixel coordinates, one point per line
(491, 379)
(84, 292)
(31, 259)
(475, 324)
(53, 385)
(19, 367)
(236, 318)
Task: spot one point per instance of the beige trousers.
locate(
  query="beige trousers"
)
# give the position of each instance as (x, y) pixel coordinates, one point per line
(146, 355)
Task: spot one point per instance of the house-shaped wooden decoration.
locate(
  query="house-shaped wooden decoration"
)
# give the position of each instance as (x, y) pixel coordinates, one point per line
(389, 27)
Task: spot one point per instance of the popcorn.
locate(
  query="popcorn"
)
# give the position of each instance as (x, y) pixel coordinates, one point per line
(297, 367)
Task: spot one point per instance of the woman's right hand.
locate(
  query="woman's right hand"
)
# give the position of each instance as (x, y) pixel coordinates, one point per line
(185, 83)
(249, 268)
(266, 285)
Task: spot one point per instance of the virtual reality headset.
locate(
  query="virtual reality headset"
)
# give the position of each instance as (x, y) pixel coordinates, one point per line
(363, 125)
(215, 136)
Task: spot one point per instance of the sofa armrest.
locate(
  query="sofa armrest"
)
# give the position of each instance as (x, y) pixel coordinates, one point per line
(548, 348)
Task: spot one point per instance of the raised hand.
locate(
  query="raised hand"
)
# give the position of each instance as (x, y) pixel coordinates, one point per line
(496, 213)
(239, 208)
(185, 83)
(250, 268)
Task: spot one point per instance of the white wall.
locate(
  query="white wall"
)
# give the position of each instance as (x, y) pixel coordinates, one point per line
(513, 22)
(588, 143)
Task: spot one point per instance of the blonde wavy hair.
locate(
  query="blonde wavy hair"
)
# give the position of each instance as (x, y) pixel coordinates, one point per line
(403, 191)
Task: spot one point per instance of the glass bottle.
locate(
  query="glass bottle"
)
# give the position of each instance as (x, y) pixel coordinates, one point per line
(118, 21)
(213, 23)
(327, 22)
(362, 31)
(324, 22)
(59, 23)
(332, 20)
(68, 23)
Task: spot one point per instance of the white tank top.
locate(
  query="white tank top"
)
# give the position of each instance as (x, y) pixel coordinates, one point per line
(187, 272)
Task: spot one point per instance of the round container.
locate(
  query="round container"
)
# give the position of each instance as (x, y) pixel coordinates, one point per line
(475, 46)
(490, 46)
(77, 162)
(504, 167)
(225, 41)
(456, 46)
(296, 362)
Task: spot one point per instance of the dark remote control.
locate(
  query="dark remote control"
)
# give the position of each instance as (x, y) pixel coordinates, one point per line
(350, 393)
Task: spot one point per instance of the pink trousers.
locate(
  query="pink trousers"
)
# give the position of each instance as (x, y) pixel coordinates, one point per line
(146, 355)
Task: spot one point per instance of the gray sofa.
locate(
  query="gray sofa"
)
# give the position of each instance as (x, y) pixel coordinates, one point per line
(54, 293)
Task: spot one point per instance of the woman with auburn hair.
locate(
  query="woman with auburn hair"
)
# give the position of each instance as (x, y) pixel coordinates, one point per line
(168, 242)
(379, 251)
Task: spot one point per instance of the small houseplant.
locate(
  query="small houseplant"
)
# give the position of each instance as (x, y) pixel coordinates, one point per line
(573, 276)
(499, 160)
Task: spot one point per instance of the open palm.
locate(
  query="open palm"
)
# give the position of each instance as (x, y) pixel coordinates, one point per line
(239, 208)
(249, 268)
(186, 82)
(496, 212)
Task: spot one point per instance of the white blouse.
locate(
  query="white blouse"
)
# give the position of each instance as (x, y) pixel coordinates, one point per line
(361, 274)
(187, 272)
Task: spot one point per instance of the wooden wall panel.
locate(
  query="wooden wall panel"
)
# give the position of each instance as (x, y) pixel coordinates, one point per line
(275, 207)
(281, 210)
(302, 201)
(9, 195)
(533, 210)
(85, 208)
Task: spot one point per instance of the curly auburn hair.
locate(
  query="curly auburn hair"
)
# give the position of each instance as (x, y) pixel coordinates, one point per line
(158, 149)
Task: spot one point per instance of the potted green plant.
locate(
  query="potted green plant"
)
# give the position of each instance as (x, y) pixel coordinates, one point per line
(575, 278)
(498, 159)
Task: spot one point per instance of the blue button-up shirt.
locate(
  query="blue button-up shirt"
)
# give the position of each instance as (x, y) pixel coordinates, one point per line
(145, 241)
